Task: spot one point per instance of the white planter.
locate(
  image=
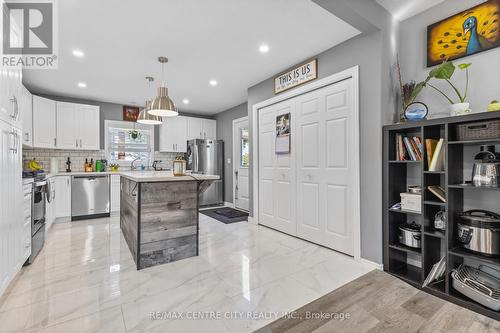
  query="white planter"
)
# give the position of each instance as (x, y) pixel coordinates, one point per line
(459, 109)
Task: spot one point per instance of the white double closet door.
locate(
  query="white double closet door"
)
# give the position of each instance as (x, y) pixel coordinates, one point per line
(310, 192)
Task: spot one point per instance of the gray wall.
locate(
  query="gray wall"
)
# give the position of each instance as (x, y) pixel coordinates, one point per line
(484, 72)
(374, 53)
(110, 111)
(225, 132)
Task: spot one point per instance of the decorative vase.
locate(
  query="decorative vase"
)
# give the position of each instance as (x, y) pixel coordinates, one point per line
(459, 109)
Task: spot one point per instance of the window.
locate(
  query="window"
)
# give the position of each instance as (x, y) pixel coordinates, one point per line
(126, 141)
(244, 148)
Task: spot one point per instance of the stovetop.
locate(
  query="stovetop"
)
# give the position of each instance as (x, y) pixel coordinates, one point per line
(36, 175)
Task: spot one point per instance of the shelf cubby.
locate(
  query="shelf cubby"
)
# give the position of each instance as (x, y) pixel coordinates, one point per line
(413, 265)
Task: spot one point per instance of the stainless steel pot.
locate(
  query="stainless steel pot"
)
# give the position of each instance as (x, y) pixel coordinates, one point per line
(410, 235)
(479, 231)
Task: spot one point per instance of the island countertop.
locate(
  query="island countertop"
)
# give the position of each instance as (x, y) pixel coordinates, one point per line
(163, 176)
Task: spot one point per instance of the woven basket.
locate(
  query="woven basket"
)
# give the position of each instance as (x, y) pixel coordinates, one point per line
(479, 131)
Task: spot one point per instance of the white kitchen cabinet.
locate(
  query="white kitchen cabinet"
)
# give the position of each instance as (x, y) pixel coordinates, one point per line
(199, 128)
(194, 128)
(11, 208)
(173, 134)
(62, 196)
(26, 230)
(27, 116)
(88, 121)
(44, 123)
(209, 129)
(50, 208)
(67, 125)
(77, 126)
(10, 84)
(115, 193)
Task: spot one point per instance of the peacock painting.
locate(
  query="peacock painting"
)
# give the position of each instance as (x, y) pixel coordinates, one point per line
(469, 32)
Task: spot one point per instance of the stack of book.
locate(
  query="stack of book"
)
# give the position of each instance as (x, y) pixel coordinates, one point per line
(435, 154)
(409, 148)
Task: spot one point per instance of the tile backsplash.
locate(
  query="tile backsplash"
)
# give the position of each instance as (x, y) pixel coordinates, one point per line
(43, 156)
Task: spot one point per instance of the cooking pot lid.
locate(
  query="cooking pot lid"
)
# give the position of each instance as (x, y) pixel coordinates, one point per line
(410, 226)
(480, 218)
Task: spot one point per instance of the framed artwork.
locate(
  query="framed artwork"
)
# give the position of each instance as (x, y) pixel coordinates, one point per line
(283, 134)
(471, 31)
(130, 113)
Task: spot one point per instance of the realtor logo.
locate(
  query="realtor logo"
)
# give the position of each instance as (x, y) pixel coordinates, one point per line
(29, 34)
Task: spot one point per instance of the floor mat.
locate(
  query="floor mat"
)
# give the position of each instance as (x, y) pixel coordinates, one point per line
(226, 215)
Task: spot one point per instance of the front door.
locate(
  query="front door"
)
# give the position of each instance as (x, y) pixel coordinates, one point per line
(241, 163)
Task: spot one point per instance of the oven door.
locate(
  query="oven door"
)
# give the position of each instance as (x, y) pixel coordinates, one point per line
(39, 203)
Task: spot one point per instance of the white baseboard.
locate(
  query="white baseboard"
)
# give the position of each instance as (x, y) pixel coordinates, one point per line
(228, 204)
(252, 220)
(373, 264)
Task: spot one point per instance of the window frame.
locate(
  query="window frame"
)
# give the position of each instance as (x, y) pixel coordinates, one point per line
(128, 125)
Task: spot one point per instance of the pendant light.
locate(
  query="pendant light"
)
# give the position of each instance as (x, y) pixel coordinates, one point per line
(162, 105)
(144, 116)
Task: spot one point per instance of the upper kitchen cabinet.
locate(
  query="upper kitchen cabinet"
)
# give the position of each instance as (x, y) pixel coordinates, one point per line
(26, 108)
(88, 120)
(173, 134)
(67, 126)
(195, 130)
(44, 123)
(209, 129)
(199, 128)
(10, 85)
(77, 126)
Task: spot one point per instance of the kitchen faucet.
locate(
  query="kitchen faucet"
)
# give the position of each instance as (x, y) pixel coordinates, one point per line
(132, 166)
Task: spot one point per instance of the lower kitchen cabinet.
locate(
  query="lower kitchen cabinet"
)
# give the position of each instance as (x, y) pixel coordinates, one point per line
(50, 208)
(62, 196)
(115, 193)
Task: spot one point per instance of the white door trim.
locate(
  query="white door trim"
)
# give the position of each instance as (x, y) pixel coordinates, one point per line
(234, 156)
(353, 73)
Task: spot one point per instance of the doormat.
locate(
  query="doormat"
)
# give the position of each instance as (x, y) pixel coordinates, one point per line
(226, 215)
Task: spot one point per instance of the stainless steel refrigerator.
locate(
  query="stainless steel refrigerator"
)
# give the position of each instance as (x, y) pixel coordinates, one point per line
(207, 157)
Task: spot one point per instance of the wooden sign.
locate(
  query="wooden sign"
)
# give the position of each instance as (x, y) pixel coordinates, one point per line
(301, 74)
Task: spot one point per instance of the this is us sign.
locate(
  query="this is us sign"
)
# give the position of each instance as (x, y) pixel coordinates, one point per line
(295, 77)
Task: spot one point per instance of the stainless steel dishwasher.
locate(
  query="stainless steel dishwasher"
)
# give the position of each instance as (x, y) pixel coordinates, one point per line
(90, 197)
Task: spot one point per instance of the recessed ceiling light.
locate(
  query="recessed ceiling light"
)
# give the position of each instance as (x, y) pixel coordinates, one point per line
(82, 85)
(213, 83)
(264, 48)
(185, 101)
(78, 53)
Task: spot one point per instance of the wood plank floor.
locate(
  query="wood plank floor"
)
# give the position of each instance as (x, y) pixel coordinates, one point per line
(379, 302)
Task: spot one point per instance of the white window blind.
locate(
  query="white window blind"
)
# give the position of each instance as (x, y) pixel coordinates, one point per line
(126, 143)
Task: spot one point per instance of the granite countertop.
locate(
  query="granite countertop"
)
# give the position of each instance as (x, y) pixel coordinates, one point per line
(163, 176)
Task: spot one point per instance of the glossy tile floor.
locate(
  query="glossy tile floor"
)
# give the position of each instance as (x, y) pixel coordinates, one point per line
(85, 280)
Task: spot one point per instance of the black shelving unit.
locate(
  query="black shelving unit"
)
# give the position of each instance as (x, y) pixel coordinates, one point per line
(413, 265)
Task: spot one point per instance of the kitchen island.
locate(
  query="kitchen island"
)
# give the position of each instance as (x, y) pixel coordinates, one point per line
(159, 215)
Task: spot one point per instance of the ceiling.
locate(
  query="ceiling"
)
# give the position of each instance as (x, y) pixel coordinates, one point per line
(203, 39)
(404, 9)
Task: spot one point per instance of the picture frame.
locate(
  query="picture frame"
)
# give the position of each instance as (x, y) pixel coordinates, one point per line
(283, 132)
(466, 33)
(130, 113)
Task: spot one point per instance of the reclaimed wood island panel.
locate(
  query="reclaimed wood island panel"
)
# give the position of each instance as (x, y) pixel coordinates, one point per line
(159, 215)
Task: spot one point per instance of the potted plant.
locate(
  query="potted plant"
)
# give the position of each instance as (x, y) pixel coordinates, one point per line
(445, 72)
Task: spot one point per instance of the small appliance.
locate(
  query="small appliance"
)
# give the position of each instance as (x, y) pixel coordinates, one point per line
(486, 169)
(479, 231)
(410, 235)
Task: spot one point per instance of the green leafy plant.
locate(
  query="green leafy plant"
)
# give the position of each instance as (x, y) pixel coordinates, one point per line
(134, 134)
(445, 72)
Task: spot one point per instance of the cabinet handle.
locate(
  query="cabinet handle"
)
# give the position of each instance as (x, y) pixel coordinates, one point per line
(16, 108)
(27, 134)
(173, 146)
(81, 143)
(14, 147)
(76, 143)
(55, 142)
